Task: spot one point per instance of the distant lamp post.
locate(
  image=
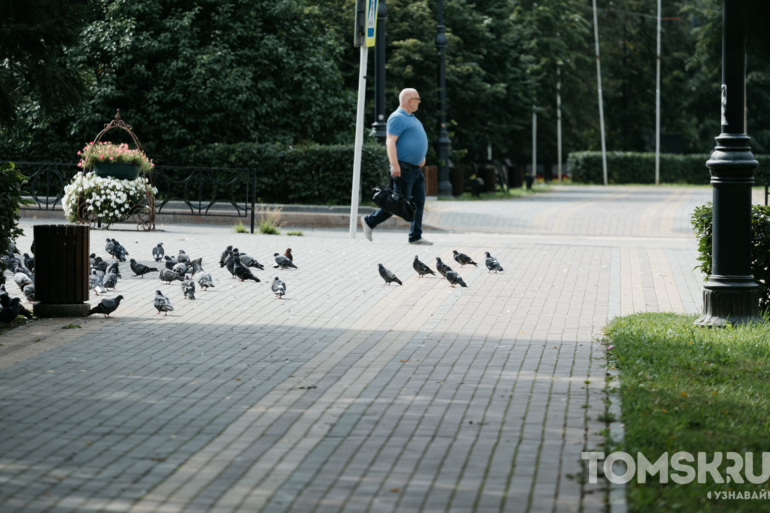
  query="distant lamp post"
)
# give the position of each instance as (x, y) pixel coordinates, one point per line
(379, 127)
(442, 138)
(731, 295)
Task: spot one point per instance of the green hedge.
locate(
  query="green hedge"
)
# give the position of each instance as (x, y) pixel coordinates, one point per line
(310, 174)
(630, 167)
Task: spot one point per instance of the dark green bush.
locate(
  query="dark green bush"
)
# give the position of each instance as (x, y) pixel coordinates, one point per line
(11, 182)
(308, 174)
(760, 246)
(630, 167)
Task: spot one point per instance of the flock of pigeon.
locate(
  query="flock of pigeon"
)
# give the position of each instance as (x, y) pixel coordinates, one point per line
(104, 276)
(451, 276)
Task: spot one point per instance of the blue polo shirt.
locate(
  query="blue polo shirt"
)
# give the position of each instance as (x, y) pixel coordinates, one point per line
(412, 144)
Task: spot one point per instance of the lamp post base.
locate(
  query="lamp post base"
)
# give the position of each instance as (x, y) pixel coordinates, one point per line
(729, 300)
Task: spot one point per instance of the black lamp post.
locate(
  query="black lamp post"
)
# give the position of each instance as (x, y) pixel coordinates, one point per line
(379, 127)
(442, 138)
(731, 294)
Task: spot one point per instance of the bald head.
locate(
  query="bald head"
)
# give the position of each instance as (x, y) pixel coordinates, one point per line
(409, 100)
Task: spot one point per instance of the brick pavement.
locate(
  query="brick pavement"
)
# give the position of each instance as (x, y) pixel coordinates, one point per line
(348, 395)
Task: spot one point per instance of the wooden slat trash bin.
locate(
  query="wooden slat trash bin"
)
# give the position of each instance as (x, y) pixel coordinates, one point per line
(61, 270)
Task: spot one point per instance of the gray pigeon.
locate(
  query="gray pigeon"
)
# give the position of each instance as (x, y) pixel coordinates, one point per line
(110, 248)
(100, 264)
(20, 269)
(492, 263)
(162, 304)
(182, 257)
(141, 269)
(421, 268)
(99, 273)
(106, 306)
(388, 276)
(180, 268)
(95, 283)
(248, 261)
(279, 288)
(463, 259)
(29, 292)
(225, 254)
(202, 277)
(442, 268)
(91, 259)
(114, 268)
(120, 251)
(157, 252)
(283, 262)
(10, 312)
(110, 280)
(170, 262)
(29, 262)
(13, 249)
(187, 283)
(241, 271)
(455, 279)
(3, 292)
(21, 279)
(168, 276)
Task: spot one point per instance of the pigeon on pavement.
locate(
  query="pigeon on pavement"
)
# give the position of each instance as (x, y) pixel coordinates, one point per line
(29, 292)
(119, 248)
(106, 306)
(188, 288)
(141, 269)
(225, 254)
(442, 268)
(388, 276)
(230, 263)
(157, 252)
(98, 272)
(455, 279)
(421, 268)
(10, 312)
(13, 249)
(170, 262)
(182, 257)
(202, 277)
(21, 279)
(110, 280)
(91, 259)
(110, 248)
(288, 255)
(251, 262)
(29, 262)
(5, 302)
(95, 283)
(279, 288)
(283, 261)
(180, 268)
(100, 264)
(162, 304)
(463, 259)
(114, 267)
(3, 292)
(168, 276)
(241, 271)
(492, 263)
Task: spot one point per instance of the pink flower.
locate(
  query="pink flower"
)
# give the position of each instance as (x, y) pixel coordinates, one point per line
(80, 164)
(78, 153)
(110, 158)
(101, 156)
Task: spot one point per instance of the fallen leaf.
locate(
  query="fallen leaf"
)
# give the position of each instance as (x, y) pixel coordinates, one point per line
(395, 490)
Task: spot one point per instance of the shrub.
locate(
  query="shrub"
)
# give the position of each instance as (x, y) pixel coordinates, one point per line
(311, 174)
(702, 223)
(630, 167)
(239, 228)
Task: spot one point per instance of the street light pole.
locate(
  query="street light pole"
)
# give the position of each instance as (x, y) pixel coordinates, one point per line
(558, 117)
(442, 138)
(379, 127)
(730, 294)
(657, 108)
(599, 88)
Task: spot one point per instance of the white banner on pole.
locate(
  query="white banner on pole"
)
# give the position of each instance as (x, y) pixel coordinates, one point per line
(359, 142)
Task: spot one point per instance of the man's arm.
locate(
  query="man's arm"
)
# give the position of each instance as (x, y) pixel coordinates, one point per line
(390, 144)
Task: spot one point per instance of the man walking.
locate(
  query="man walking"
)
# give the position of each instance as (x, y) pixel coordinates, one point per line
(407, 146)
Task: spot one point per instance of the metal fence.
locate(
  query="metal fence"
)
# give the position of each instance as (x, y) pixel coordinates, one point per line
(182, 190)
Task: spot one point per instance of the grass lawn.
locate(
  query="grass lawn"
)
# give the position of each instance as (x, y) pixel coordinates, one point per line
(497, 195)
(685, 388)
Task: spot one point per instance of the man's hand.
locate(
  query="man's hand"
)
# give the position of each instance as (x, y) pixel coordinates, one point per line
(390, 144)
(395, 170)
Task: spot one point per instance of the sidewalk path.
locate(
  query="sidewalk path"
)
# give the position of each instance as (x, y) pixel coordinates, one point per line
(348, 395)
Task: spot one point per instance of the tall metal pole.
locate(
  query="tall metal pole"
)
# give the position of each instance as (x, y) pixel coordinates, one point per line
(358, 142)
(534, 142)
(599, 86)
(442, 138)
(558, 117)
(730, 294)
(379, 127)
(657, 108)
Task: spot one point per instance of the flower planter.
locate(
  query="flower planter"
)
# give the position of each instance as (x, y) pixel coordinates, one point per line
(120, 170)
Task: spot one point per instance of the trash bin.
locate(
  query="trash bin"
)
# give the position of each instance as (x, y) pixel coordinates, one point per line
(61, 270)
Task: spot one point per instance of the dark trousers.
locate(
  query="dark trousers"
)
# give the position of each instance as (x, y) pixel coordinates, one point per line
(411, 184)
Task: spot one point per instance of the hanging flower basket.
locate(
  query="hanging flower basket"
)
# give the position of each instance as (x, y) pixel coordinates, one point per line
(115, 183)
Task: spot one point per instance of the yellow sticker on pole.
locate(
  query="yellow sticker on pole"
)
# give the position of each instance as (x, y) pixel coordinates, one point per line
(371, 21)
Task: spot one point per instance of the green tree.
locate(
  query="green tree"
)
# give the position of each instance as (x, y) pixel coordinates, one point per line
(34, 35)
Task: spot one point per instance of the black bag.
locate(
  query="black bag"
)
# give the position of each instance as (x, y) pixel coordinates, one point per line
(393, 202)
